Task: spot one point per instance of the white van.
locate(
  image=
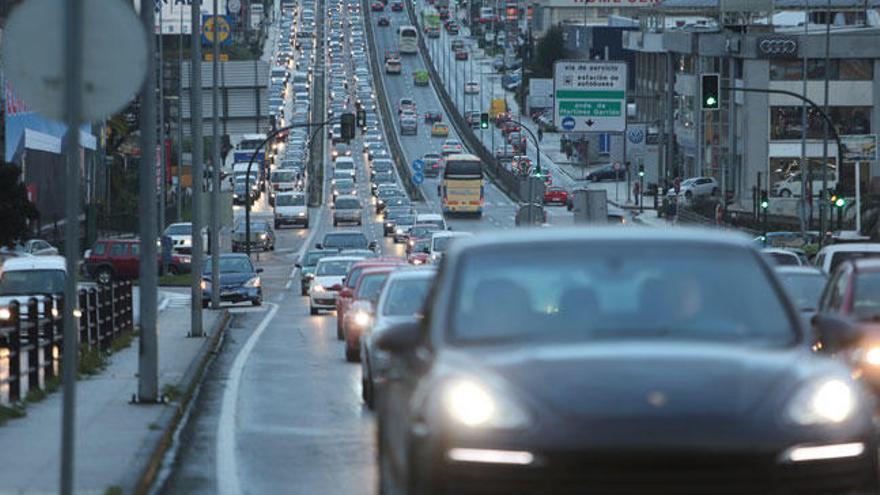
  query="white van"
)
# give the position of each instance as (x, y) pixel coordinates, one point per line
(830, 256)
(24, 277)
(291, 209)
(440, 243)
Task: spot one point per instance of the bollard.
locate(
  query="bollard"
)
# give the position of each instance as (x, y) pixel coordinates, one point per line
(106, 312)
(93, 323)
(14, 354)
(129, 305)
(33, 349)
(83, 296)
(114, 315)
(49, 334)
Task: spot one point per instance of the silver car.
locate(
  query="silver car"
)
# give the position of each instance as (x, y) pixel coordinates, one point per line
(409, 125)
(347, 209)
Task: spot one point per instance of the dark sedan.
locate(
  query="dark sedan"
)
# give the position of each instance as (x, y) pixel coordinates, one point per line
(612, 361)
(606, 172)
(239, 280)
(262, 236)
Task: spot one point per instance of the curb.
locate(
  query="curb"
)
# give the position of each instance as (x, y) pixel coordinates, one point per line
(157, 444)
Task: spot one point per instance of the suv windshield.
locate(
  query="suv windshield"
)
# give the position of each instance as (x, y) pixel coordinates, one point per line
(614, 291)
(31, 282)
(179, 230)
(354, 240)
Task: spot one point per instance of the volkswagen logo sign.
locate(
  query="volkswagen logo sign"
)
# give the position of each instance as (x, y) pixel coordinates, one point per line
(635, 135)
(777, 47)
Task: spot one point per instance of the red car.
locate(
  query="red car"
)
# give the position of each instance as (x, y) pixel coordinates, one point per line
(365, 295)
(344, 297)
(377, 7)
(421, 252)
(397, 6)
(120, 259)
(508, 127)
(383, 21)
(555, 194)
(461, 55)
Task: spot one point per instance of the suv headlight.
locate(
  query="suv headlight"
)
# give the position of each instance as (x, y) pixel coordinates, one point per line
(824, 401)
(254, 282)
(470, 403)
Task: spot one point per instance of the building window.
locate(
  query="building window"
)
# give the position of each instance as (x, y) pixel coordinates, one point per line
(839, 70)
(785, 121)
(605, 143)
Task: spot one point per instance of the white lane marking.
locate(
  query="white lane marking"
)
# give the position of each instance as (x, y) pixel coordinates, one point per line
(288, 284)
(228, 481)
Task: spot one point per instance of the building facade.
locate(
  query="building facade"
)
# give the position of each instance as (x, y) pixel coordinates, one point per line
(757, 139)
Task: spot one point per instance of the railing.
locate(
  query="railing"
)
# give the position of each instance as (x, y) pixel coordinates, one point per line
(31, 335)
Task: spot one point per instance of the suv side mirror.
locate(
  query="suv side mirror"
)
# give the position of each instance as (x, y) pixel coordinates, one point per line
(400, 338)
(373, 245)
(835, 331)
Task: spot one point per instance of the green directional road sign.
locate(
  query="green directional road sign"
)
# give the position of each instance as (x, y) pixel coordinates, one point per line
(590, 96)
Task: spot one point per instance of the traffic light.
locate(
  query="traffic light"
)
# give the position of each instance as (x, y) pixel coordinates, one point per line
(484, 121)
(361, 118)
(839, 201)
(641, 170)
(346, 122)
(765, 201)
(710, 91)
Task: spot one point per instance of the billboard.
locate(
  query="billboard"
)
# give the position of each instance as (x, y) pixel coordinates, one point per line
(859, 147)
(176, 14)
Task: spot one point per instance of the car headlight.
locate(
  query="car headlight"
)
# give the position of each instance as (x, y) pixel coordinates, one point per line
(398, 231)
(361, 318)
(301, 214)
(264, 236)
(254, 282)
(318, 288)
(825, 401)
(204, 284)
(472, 404)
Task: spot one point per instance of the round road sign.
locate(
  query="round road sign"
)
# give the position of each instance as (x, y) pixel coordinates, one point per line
(114, 58)
(418, 178)
(568, 123)
(418, 166)
(219, 25)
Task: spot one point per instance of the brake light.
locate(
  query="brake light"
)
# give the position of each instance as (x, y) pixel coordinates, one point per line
(336, 287)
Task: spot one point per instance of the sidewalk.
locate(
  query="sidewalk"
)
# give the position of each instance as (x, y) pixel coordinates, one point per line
(118, 444)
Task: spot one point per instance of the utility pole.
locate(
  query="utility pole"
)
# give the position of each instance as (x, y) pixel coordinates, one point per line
(215, 175)
(162, 156)
(823, 206)
(73, 56)
(180, 118)
(148, 354)
(198, 179)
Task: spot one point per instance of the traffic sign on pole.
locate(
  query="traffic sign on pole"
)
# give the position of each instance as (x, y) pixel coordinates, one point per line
(418, 166)
(590, 96)
(418, 178)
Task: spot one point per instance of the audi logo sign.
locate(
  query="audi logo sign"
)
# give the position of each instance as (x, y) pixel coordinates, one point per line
(777, 47)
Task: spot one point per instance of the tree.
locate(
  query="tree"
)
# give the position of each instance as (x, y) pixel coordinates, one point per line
(16, 211)
(550, 49)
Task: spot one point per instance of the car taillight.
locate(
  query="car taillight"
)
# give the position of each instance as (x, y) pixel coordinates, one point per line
(336, 287)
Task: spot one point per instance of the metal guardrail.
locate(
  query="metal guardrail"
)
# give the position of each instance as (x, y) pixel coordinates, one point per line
(397, 155)
(31, 335)
(507, 181)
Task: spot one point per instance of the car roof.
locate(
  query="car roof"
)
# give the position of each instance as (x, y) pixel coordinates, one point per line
(780, 251)
(851, 246)
(866, 264)
(446, 233)
(799, 270)
(634, 235)
(429, 216)
(381, 261)
(341, 258)
(413, 273)
(21, 263)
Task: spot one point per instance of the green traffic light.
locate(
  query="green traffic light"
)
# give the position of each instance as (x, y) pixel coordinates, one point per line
(840, 202)
(765, 205)
(711, 101)
(641, 173)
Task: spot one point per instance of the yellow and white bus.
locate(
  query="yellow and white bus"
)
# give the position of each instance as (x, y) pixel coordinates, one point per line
(407, 39)
(462, 190)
